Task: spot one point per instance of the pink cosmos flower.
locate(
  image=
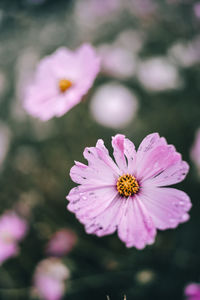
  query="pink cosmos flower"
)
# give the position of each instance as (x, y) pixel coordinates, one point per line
(195, 151)
(130, 194)
(12, 230)
(61, 242)
(192, 291)
(60, 82)
(49, 278)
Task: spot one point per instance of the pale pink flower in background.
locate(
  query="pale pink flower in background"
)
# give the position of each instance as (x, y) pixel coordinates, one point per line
(142, 8)
(60, 82)
(113, 105)
(196, 9)
(186, 54)
(192, 291)
(158, 74)
(61, 243)
(90, 14)
(12, 230)
(130, 195)
(49, 279)
(117, 61)
(195, 151)
(131, 39)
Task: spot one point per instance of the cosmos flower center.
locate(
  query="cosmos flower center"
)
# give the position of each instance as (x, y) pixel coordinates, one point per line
(127, 185)
(64, 84)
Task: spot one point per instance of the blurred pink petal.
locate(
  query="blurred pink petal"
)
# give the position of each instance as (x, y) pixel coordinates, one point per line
(60, 82)
(61, 243)
(49, 278)
(8, 248)
(12, 229)
(13, 225)
(129, 195)
(192, 291)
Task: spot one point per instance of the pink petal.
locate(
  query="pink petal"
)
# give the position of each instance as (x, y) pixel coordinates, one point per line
(130, 153)
(49, 288)
(89, 204)
(136, 227)
(124, 149)
(13, 226)
(148, 143)
(174, 174)
(118, 146)
(7, 250)
(101, 164)
(90, 66)
(154, 156)
(104, 155)
(193, 290)
(167, 206)
(107, 221)
(101, 170)
(61, 243)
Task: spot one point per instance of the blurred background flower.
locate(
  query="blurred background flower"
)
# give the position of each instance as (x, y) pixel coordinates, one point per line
(158, 74)
(49, 278)
(192, 291)
(113, 105)
(12, 230)
(61, 243)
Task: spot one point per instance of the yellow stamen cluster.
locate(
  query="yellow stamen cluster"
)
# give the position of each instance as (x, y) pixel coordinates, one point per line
(64, 84)
(127, 185)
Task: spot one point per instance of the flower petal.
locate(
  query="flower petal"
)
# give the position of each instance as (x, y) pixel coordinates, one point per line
(101, 164)
(167, 206)
(130, 152)
(124, 149)
(154, 156)
(174, 174)
(118, 147)
(136, 227)
(106, 222)
(7, 250)
(88, 203)
(99, 210)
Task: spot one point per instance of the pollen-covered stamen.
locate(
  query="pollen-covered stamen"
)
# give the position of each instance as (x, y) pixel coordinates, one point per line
(127, 185)
(64, 84)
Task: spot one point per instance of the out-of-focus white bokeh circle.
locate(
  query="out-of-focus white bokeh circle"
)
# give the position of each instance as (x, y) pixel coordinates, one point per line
(113, 105)
(158, 74)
